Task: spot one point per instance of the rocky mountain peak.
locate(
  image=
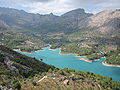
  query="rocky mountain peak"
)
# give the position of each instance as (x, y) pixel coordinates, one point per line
(77, 12)
(105, 21)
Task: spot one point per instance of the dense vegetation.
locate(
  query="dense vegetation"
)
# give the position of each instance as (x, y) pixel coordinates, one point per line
(114, 57)
(80, 43)
(21, 41)
(93, 45)
(93, 56)
(78, 49)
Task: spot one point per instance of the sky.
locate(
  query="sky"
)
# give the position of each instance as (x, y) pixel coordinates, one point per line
(59, 7)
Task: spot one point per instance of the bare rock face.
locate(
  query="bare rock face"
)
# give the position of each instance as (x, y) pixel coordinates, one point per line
(76, 14)
(106, 21)
(3, 24)
(104, 17)
(13, 66)
(10, 65)
(5, 88)
(66, 82)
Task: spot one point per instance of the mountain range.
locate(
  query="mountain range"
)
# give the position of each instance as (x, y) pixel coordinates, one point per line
(76, 28)
(19, 20)
(105, 21)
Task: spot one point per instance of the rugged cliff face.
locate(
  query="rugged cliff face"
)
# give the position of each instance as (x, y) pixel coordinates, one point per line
(107, 21)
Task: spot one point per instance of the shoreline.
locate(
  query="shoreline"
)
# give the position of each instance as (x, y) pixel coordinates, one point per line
(26, 51)
(22, 51)
(109, 65)
(84, 58)
(87, 60)
(66, 53)
(54, 49)
(38, 50)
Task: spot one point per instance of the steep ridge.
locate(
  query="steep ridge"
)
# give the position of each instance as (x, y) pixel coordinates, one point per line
(72, 18)
(15, 67)
(22, 65)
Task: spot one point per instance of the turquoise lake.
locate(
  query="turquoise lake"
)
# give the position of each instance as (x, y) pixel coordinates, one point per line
(53, 57)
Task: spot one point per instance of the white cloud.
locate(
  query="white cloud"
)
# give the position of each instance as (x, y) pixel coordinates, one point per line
(62, 6)
(56, 6)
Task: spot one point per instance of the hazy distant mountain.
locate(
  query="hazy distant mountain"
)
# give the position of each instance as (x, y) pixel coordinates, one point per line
(105, 21)
(76, 14)
(71, 19)
(19, 19)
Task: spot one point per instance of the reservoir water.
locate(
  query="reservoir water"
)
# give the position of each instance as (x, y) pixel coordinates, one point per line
(53, 57)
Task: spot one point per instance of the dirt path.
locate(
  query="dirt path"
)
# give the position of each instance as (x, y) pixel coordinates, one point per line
(42, 79)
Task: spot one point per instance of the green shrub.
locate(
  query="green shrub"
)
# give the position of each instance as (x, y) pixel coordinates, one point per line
(34, 83)
(1, 58)
(16, 85)
(2, 83)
